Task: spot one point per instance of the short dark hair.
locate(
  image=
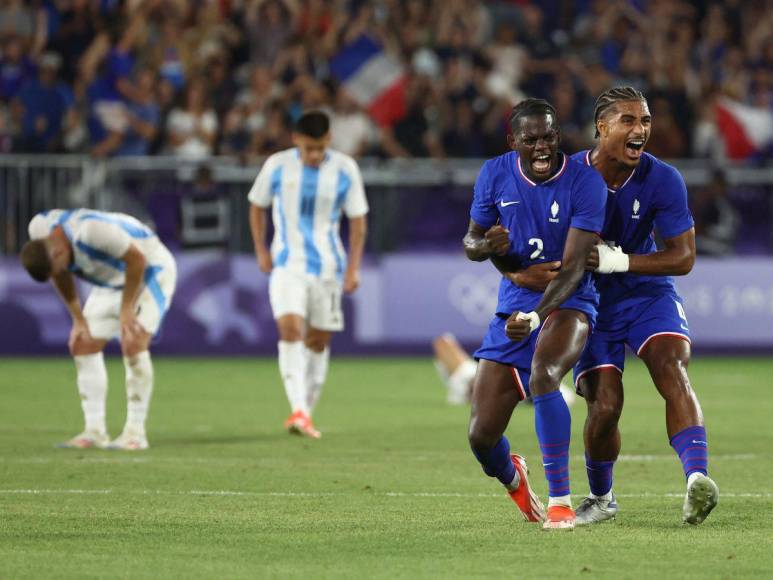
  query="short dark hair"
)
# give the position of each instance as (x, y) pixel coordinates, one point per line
(314, 124)
(528, 108)
(607, 100)
(35, 259)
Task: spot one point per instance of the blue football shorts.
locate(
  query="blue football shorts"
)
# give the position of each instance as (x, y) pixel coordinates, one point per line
(635, 325)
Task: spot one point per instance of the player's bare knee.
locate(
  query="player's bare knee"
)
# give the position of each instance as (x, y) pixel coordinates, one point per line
(290, 334)
(85, 347)
(545, 378)
(605, 413)
(481, 440)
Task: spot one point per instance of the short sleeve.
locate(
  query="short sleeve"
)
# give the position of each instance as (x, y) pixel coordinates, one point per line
(484, 208)
(267, 179)
(589, 197)
(39, 227)
(356, 204)
(104, 237)
(672, 216)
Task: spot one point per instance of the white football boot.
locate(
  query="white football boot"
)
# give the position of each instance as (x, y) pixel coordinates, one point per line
(594, 510)
(129, 441)
(701, 497)
(86, 440)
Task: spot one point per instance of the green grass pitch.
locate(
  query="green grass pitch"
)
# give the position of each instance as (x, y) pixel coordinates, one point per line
(391, 490)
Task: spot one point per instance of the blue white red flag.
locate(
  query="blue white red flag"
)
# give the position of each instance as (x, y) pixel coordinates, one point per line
(373, 78)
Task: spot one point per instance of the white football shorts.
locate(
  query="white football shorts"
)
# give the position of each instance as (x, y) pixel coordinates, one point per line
(103, 306)
(317, 300)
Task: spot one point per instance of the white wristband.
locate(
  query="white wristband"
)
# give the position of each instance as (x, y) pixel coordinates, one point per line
(532, 317)
(611, 260)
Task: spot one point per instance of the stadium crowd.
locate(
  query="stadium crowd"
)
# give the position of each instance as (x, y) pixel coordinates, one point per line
(201, 78)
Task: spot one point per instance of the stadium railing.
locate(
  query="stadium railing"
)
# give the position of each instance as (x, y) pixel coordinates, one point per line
(403, 195)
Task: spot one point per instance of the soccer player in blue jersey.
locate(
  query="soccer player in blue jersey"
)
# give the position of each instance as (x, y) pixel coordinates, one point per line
(639, 305)
(134, 278)
(533, 205)
(309, 186)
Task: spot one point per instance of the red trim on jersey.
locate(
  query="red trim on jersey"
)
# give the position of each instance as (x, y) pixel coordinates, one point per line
(533, 183)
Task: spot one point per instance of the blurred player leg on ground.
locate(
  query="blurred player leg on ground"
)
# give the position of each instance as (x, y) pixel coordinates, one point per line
(457, 371)
(455, 367)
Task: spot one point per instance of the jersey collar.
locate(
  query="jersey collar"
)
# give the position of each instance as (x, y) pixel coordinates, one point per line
(298, 155)
(534, 183)
(589, 164)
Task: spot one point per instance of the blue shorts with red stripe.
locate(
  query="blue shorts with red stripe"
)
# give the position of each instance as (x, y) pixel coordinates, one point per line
(635, 322)
(497, 347)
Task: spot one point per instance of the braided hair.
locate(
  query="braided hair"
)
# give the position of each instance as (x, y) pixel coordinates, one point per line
(529, 107)
(614, 95)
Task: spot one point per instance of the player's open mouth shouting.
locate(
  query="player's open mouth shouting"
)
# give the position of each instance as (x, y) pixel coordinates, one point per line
(634, 147)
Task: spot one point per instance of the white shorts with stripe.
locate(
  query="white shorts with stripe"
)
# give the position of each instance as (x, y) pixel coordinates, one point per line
(103, 306)
(317, 300)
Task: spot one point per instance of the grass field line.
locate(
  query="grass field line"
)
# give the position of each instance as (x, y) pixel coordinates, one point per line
(111, 457)
(302, 494)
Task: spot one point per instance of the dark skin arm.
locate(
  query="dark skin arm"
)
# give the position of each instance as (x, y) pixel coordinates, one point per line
(577, 248)
(482, 243)
(536, 277)
(677, 259)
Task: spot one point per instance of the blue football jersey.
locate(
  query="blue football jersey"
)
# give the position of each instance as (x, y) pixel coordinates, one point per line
(538, 216)
(653, 197)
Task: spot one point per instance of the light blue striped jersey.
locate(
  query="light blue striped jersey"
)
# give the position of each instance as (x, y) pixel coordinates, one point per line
(99, 240)
(307, 206)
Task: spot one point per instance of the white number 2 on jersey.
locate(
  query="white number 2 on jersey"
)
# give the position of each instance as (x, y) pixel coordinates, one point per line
(536, 254)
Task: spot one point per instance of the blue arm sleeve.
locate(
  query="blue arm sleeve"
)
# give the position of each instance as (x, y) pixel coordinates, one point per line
(484, 208)
(672, 216)
(589, 197)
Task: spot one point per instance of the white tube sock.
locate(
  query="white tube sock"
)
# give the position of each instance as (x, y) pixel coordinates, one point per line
(139, 387)
(292, 367)
(316, 373)
(92, 388)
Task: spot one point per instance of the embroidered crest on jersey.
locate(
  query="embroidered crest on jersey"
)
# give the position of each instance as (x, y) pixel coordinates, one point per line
(636, 206)
(554, 211)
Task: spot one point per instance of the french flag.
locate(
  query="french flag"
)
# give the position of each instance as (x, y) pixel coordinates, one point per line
(746, 130)
(373, 78)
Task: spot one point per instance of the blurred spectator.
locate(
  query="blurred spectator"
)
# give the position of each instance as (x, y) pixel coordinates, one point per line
(352, 130)
(17, 18)
(666, 140)
(142, 117)
(465, 64)
(43, 105)
(268, 26)
(716, 220)
(78, 24)
(16, 67)
(275, 135)
(193, 127)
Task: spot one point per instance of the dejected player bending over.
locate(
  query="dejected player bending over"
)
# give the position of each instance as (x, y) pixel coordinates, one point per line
(533, 205)
(309, 187)
(134, 277)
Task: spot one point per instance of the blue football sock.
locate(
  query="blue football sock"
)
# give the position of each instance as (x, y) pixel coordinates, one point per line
(497, 462)
(554, 428)
(599, 475)
(692, 448)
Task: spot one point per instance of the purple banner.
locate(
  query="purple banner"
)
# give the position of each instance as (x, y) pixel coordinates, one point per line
(405, 300)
